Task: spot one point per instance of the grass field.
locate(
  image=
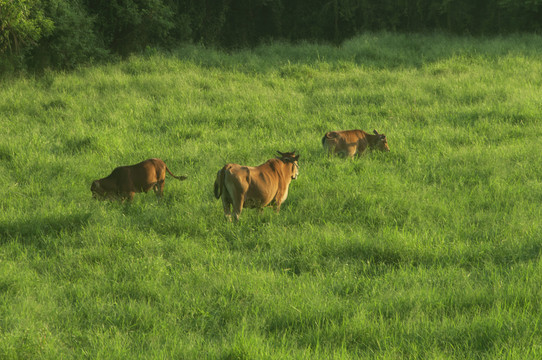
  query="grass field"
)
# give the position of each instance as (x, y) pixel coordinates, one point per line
(429, 251)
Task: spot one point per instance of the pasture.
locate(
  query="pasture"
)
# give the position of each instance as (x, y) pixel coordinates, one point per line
(429, 251)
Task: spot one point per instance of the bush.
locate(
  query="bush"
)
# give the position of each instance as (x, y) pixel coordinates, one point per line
(131, 25)
(22, 24)
(73, 40)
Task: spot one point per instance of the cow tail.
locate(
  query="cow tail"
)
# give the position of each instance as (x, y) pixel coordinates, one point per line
(328, 136)
(182, 177)
(219, 183)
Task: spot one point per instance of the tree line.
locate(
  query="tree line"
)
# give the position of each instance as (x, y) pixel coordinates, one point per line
(37, 34)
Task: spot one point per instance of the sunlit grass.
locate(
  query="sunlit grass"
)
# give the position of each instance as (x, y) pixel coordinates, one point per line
(429, 251)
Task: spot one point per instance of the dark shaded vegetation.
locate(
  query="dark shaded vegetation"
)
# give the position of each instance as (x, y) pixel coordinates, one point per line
(30, 229)
(5, 154)
(63, 34)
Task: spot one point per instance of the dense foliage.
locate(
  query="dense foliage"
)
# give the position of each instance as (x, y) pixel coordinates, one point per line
(60, 33)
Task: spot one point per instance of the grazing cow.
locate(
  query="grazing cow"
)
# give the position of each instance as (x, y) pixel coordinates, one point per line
(256, 187)
(125, 181)
(352, 142)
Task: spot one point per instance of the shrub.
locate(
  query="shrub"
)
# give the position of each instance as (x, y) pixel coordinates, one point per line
(131, 25)
(73, 40)
(22, 24)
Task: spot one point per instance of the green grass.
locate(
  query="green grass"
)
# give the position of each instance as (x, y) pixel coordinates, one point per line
(429, 251)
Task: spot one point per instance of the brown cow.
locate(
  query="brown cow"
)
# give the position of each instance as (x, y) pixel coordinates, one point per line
(125, 181)
(255, 187)
(352, 142)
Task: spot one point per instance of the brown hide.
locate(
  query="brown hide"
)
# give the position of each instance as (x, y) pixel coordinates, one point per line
(255, 187)
(125, 181)
(351, 142)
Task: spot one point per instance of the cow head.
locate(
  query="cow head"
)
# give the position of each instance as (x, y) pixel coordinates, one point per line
(291, 159)
(97, 190)
(381, 143)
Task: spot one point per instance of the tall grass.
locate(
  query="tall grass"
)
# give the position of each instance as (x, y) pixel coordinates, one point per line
(429, 251)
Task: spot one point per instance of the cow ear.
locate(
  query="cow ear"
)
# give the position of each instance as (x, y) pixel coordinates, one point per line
(296, 158)
(375, 132)
(281, 154)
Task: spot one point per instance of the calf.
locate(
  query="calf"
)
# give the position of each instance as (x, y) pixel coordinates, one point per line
(352, 142)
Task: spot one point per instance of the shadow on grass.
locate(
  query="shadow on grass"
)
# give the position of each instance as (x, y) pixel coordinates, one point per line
(394, 256)
(6, 154)
(370, 253)
(505, 255)
(30, 229)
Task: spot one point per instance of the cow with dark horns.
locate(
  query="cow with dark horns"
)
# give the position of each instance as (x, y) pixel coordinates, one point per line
(256, 187)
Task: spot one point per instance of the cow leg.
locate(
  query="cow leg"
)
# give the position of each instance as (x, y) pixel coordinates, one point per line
(238, 207)
(331, 150)
(129, 196)
(351, 151)
(277, 201)
(159, 189)
(156, 190)
(277, 206)
(360, 150)
(226, 204)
